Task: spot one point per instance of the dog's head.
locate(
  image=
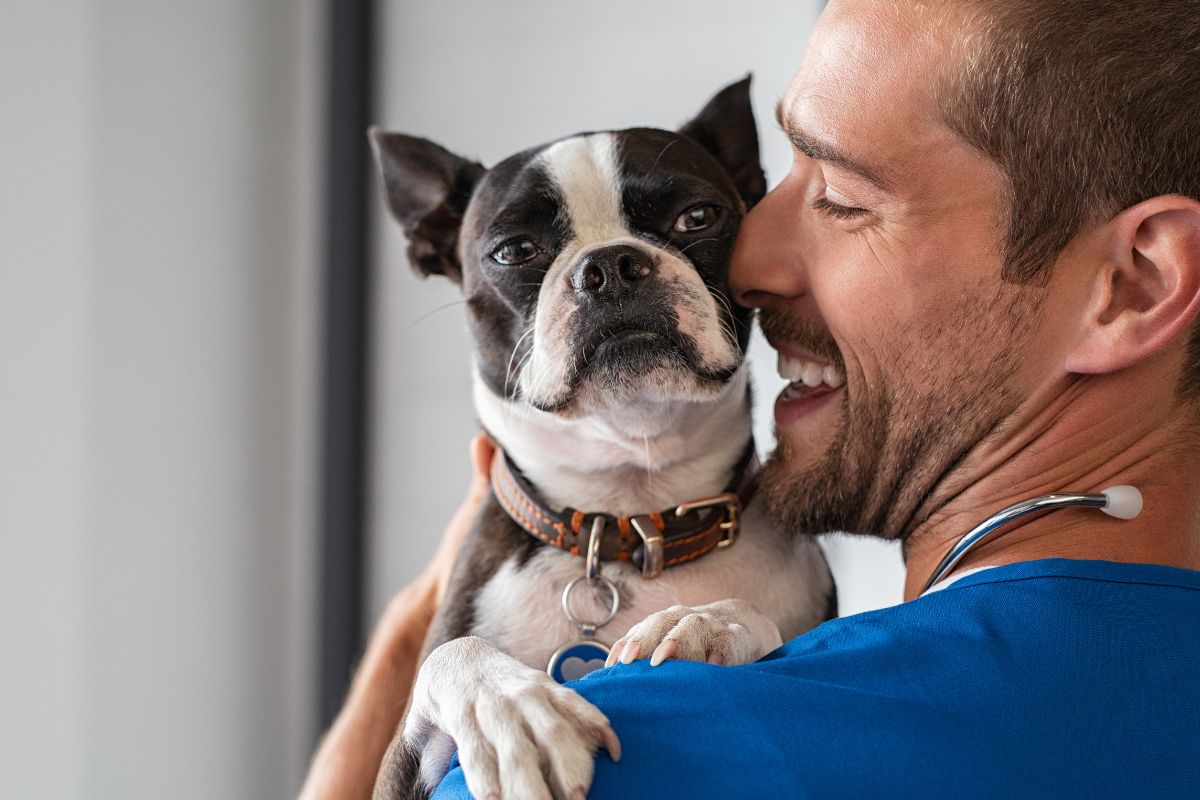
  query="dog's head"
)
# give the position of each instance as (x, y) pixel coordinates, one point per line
(594, 266)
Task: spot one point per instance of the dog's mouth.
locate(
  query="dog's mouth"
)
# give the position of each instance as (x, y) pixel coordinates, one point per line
(630, 350)
(637, 353)
(624, 343)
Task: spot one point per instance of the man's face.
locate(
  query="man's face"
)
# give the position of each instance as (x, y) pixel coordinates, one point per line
(879, 256)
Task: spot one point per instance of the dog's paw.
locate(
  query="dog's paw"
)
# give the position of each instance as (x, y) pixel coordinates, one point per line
(725, 632)
(519, 734)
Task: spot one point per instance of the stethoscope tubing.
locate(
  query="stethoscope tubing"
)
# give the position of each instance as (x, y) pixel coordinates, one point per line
(991, 527)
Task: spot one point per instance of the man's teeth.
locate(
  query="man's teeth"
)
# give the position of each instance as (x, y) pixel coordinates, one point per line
(809, 373)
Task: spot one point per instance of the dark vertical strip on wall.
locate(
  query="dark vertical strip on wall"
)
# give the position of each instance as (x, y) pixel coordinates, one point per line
(344, 380)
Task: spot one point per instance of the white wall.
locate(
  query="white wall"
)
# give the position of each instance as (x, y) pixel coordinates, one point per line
(43, 411)
(158, 227)
(486, 80)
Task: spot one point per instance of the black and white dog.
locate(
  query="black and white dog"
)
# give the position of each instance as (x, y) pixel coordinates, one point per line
(609, 370)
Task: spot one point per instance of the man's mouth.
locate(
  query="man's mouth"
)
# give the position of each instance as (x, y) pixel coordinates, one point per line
(809, 383)
(804, 374)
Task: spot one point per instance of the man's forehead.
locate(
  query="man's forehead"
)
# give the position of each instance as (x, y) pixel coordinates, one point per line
(869, 79)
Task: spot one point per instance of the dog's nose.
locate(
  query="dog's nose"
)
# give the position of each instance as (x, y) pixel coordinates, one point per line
(612, 271)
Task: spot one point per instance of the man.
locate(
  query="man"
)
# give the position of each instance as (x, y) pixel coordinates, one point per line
(992, 228)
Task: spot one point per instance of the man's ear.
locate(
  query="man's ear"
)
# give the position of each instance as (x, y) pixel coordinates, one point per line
(427, 189)
(725, 126)
(1148, 292)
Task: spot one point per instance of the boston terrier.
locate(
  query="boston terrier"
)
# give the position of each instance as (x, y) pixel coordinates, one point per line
(609, 371)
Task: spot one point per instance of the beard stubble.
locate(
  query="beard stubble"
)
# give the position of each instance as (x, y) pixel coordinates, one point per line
(896, 443)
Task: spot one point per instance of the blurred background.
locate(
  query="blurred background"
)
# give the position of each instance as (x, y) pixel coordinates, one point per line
(234, 422)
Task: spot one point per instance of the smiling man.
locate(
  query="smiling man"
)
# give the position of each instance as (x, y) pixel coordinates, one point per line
(991, 233)
(986, 257)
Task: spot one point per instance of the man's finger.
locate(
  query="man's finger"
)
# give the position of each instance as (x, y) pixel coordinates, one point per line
(483, 449)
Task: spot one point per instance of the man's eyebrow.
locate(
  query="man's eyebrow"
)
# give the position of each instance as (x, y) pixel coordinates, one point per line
(817, 150)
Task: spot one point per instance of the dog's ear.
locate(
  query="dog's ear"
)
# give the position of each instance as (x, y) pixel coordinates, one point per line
(725, 126)
(427, 189)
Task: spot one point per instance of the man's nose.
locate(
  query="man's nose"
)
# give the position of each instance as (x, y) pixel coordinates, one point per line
(612, 272)
(768, 264)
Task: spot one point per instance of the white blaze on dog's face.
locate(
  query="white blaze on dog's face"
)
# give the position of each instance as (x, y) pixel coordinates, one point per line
(594, 267)
(621, 313)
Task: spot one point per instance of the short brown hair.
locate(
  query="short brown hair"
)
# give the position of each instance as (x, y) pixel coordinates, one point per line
(1089, 107)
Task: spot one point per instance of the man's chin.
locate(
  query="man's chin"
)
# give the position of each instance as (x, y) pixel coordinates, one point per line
(804, 452)
(807, 489)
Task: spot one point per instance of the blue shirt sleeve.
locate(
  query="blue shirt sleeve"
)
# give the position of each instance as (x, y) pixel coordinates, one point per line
(1051, 678)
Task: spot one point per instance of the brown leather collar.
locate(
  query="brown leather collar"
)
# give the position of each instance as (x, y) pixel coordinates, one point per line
(651, 541)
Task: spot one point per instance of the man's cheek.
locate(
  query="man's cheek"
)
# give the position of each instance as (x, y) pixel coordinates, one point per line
(857, 279)
(874, 341)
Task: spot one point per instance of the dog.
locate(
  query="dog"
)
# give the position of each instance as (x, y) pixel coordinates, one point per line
(609, 370)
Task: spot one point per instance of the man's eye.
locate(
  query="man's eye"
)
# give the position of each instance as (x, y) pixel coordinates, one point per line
(515, 251)
(696, 218)
(832, 209)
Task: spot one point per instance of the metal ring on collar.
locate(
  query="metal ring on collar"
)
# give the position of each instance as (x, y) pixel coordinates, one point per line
(592, 570)
(612, 611)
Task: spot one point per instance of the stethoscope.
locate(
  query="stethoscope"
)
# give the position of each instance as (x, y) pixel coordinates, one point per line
(1122, 502)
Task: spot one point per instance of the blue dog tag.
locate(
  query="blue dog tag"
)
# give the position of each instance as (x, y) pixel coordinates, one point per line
(576, 659)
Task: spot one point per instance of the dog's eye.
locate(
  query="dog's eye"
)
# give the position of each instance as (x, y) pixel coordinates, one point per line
(515, 251)
(696, 218)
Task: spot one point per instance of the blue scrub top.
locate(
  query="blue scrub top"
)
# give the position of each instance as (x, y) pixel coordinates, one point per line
(1050, 678)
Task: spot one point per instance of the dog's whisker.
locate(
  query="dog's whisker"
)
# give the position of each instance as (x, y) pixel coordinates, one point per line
(509, 371)
(535, 385)
(727, 324)
(724, 301)
(649, 471)
(519, 371)
(699, 241)
(732, 339)
(520, 368)
(521, 364)
(662, 153)
(431, 312)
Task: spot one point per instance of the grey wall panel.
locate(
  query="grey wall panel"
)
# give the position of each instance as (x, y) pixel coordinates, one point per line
(159, 303)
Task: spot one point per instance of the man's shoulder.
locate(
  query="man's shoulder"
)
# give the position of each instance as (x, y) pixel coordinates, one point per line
(1031, 665)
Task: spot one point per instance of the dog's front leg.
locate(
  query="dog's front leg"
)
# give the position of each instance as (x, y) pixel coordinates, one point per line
(518, 733)
(725, 632)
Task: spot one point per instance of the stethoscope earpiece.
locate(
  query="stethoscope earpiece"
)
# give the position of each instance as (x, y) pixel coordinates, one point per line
(1124, 502)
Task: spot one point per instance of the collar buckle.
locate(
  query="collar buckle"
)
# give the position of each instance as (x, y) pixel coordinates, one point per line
(732, 510)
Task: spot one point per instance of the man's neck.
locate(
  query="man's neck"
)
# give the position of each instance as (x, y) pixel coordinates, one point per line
(1075, 443)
